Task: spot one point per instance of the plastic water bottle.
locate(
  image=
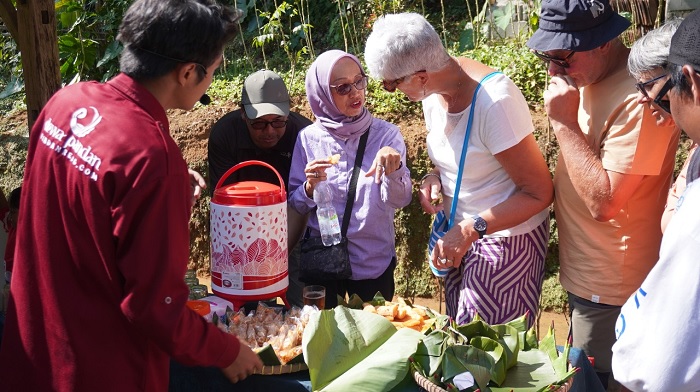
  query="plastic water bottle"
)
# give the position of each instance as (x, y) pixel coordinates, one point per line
(327, 216)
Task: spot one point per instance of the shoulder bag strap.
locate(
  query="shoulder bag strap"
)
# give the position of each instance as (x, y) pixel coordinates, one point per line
(453, 209)
(353, 183)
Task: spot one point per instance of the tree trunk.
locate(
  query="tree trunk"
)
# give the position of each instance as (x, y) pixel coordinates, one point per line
(38, 44)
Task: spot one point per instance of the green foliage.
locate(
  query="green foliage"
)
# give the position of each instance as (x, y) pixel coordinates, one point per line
(553, 297)
(515, 60)
(87, 38)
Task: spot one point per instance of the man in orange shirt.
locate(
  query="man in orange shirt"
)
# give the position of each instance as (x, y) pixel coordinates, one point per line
(615, 166)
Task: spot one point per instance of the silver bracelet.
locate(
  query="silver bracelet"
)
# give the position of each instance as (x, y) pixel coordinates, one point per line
(428, 175)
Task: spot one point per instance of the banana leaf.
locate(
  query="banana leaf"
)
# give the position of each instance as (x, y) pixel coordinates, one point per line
(533, 373)
(347, 349)
(478, 328)
(497, 351)
(460, 358)
(511, 338)
(429, 353)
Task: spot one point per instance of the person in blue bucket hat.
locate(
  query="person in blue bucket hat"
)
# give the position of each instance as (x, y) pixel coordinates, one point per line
(613, 170)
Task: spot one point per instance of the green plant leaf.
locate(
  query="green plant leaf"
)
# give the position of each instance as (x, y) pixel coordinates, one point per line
(497, 351)
(381, 370)
(462, 358)
(511, 339)
(534, 372)
(341, 342)
(478, 328)
(430, 351)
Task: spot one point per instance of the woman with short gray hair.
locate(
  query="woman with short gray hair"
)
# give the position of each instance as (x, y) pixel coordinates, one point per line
(647, 63)
(495, 250)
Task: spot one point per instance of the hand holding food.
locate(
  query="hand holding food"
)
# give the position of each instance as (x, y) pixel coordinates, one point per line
(334, 159)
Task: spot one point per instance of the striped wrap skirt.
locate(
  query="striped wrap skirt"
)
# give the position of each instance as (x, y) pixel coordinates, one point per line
(500, 278)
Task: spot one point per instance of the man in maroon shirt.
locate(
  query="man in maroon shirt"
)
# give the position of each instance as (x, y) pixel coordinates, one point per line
(98, 292)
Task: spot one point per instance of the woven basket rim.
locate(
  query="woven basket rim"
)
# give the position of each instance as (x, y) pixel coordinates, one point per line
(273, 370)
(430, 387)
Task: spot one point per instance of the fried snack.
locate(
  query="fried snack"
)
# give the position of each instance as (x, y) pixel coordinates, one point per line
(334, 159)
(401, 314)
(389, 311)
(369, 308)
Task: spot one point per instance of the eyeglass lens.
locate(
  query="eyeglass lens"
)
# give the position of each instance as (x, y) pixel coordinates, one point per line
(390, 86)
(260, 125)
(664, 104)
(345, 88)
(562, 62)
(644, 87)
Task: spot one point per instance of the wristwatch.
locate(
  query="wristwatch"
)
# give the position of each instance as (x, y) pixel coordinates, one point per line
(479, 225)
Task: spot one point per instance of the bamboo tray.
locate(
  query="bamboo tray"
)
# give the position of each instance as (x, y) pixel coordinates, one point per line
(428, 386)
(282, 369)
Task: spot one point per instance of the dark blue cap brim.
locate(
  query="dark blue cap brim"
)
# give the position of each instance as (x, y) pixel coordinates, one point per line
(579, 41)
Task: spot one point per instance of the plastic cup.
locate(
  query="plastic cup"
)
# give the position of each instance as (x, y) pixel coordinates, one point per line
(315, 295)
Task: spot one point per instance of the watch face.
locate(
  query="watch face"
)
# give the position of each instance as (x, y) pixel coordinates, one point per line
(479, 223)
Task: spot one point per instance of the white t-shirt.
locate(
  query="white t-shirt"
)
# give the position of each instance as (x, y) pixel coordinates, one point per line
(501, 120)
(658, 339)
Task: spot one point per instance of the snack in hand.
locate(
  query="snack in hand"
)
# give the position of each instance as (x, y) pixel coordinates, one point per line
(334, 159)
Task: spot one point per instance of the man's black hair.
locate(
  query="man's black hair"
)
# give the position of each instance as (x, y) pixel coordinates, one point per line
(159, 34)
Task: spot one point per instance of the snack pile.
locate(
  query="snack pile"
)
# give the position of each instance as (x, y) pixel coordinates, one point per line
(267, 326)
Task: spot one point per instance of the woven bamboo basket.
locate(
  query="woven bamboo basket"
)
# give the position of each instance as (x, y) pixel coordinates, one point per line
(282, 369)
(427, 386)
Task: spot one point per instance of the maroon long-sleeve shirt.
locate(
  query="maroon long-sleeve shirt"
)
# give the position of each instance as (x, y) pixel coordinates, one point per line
(98, 291)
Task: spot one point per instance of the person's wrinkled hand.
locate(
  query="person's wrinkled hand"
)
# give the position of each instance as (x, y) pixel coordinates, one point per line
(197, 183)
(246, 363)
(429, 194)
(387, 161)
(561, 100)
(315, 172)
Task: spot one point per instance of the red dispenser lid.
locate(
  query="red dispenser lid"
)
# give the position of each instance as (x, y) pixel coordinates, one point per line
(249, 193)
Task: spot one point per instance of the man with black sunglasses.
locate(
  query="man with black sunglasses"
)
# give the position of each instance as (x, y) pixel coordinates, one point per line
(614, 169)
(669, 298)
(263, 129)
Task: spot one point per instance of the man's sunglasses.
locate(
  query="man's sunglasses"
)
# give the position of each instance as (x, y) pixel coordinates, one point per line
(562, 62)
(664, 104)
(262, 124)
(390, 86)
(345, 88)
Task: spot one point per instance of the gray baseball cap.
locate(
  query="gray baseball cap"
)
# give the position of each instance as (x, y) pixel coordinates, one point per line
(264, 92)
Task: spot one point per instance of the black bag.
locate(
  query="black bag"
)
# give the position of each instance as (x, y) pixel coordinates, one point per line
(320, 262)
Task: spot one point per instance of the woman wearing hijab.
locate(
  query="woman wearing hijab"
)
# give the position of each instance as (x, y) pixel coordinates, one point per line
(335, 88)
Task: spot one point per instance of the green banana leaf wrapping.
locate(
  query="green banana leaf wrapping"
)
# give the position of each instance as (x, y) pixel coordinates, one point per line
(353, 350)
(500, 358)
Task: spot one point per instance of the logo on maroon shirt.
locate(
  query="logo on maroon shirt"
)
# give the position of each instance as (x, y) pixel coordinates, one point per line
(81, 130)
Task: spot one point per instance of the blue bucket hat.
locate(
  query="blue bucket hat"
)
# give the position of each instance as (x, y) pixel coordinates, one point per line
(577, 25)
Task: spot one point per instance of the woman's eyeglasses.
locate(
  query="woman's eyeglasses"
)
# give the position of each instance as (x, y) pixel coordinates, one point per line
(262, 124)
(562, 62)
(644, 87)
(390, 86)
(345, 88)
(664, 104)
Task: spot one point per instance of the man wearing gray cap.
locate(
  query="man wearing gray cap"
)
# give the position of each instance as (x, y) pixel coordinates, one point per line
(264, 129)
(615, 166)
(658, 346)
